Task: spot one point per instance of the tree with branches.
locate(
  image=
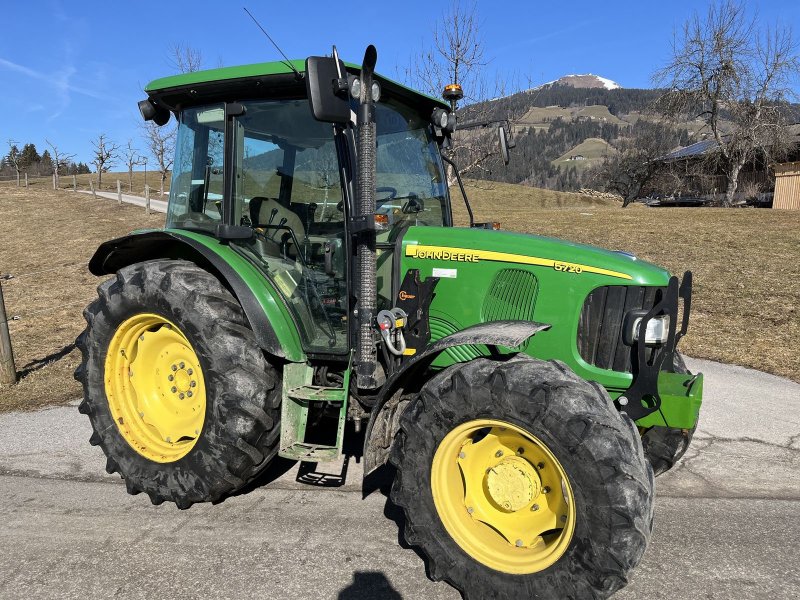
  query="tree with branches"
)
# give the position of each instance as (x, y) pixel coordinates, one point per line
(60, 160)
(186, 59)
(132, 159)
(161, 144)
(725, 68)
(14, 158)
(104, 156)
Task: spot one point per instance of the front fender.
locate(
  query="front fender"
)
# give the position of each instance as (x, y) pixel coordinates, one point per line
(385, 414)
(269, 319)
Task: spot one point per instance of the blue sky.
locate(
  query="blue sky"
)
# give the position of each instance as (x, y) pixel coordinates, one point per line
(71, 70)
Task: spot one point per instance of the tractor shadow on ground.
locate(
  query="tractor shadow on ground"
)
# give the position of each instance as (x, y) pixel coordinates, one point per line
(369, 585)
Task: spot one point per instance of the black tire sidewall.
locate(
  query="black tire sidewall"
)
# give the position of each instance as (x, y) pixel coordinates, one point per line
(577, 573)
(203, 473)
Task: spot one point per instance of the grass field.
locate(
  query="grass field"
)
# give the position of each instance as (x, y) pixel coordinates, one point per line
(48, 239)
(109, 183)
(746, 264)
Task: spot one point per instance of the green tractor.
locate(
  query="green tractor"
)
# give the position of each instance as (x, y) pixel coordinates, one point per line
(521, 391)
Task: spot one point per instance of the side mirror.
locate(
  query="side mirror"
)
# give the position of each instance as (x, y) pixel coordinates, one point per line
(326, 84)
(502, 136)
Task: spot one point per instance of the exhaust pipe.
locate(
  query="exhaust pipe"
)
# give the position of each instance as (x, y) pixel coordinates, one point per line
(366, 351)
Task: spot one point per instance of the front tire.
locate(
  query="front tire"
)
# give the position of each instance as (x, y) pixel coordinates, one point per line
(553, 442)
(180, 397)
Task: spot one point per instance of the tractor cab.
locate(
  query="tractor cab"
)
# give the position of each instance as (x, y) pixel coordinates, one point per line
(255, 166)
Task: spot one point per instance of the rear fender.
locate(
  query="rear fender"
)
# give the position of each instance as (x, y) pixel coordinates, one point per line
(385, 415)
(269, 319)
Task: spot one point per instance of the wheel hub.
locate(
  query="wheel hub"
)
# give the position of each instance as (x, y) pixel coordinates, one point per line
(503, 496)
(155, 387)
(513, 484)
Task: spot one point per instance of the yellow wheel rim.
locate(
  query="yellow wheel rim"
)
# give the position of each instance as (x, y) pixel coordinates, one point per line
(155, 388)
(503, 496)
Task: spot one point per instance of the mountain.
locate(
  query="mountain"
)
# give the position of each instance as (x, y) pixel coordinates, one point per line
(586, 81)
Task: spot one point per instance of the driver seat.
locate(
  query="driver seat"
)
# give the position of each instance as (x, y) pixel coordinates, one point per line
(268, 211)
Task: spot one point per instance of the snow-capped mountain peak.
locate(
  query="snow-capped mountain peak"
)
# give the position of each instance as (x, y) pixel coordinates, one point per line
(587, 80)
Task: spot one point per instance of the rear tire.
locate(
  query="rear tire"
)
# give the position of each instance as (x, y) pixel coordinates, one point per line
(598, 448)
(664, 446)
(241, 424)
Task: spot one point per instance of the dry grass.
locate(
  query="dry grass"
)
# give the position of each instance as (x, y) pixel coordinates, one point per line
(109, 183)
(55, 232)
(746, 264)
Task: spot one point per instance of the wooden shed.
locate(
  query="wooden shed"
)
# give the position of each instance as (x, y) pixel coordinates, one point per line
(787, 186)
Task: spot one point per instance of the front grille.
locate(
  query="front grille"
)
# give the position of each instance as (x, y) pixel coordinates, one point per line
(600, 327)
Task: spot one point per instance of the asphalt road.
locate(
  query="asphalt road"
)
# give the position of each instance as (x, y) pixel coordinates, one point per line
(727, 519)
(155, 205)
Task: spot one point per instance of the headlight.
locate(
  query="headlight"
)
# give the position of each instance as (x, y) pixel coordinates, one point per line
(657, 330)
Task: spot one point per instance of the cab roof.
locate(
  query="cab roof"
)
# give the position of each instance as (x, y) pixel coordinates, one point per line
(179, 90)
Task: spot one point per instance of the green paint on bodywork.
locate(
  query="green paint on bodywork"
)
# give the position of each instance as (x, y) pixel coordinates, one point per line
(681, 396)
(264, 292)
(560, 293)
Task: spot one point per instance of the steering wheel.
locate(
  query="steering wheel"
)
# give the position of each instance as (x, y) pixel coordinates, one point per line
(386, 190)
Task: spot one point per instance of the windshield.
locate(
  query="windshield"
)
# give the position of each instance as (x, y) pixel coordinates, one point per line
(410, 185)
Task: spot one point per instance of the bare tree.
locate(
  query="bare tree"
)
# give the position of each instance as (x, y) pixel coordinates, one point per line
(132, 159)
(455, 56)
(59, 161)
(105, 156)
(186, 59)
(161, 143)
(14, 157)
(724, 68)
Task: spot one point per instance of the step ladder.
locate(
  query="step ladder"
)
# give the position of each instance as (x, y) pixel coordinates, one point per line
(299, 395)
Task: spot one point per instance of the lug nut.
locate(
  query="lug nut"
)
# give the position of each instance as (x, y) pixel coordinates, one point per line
(182, 365)
(499, 453)
(535, 507)
(189, 393)
(470, 510)
(540, 465)
(520, 450)
(190, 371)
(193, 384)
(519, 543)
(171, 377)
(462, 455)
(141, 338)
(546, 490)
(173, 389)
(174, 368)
(181, 396)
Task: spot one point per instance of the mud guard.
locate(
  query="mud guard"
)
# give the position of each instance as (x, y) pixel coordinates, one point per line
(137, 247)
(384, 416)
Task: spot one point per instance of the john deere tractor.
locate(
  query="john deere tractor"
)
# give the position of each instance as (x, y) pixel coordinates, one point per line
(521, 390)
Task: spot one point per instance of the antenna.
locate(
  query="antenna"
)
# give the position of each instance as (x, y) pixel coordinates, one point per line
(287, 62)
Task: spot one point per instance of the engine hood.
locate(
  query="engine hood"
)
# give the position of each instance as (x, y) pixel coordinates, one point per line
(464, 245)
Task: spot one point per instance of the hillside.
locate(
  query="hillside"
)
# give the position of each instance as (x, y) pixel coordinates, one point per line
(589, 153)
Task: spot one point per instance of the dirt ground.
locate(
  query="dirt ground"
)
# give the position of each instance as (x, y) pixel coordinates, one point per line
(48, 238)
(746, 264)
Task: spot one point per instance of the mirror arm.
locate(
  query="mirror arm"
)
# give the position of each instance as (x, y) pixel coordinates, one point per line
(461, 187)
